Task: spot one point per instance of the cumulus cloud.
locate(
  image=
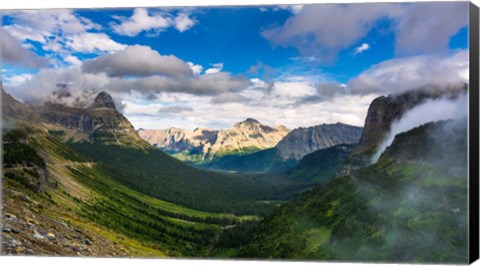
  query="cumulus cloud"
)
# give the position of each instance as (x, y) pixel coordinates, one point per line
(137, 60)
(427, 27)
(47, 84)
(140, 21)
(401, 74)
(209, 84)
(60, 34)
(12, 52)
(153, 24)
(362, 48)
(324, 30)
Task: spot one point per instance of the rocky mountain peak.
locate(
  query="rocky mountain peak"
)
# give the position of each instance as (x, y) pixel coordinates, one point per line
(302, 141)
(103, 100)
(248, 121)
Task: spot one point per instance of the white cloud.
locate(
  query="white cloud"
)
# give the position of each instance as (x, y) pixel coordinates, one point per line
(73, 60)
(196, 69)
(350, 109)
(152, 23)
(47, 84)
(215, 68)
(183, 22)
(401, 74)
(293, 89)
(17, 79)
(137, 60)
(89, 42)
(51, 21)
(323, 30)
(362, 48)
(24, 33)
(60, 33)
(258, 83)
(295, 9)
(140, 21)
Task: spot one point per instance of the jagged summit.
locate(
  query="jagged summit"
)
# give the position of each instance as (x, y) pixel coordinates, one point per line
(103, 100)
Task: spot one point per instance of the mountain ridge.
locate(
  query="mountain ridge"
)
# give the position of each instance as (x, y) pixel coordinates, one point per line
(100, 122)
(244, 137)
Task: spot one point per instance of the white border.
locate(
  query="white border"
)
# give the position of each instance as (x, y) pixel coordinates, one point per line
(52, 261)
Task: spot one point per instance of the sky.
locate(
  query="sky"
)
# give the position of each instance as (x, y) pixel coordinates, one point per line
(298, 65)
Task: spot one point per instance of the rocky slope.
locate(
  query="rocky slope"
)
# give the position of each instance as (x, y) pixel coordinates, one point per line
(98, 123)
(244, 137)
(302, 141)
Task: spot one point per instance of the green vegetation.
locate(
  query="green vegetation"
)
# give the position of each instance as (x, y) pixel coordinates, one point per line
(321, 166)
(152, 172)
(262, 161)
(147, 225)
(386, 212)
(17, 151)
(176, 230)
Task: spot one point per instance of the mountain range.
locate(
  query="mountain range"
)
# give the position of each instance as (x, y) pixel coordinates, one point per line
(81, 181)
(290, 150)
(201, 144)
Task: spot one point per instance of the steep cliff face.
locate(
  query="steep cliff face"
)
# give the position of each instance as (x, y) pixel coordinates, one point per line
(385, 110)
(98, 123)
(303, 141)
(244, 137)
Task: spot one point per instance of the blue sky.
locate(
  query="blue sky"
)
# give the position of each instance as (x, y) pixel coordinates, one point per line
(207, 67)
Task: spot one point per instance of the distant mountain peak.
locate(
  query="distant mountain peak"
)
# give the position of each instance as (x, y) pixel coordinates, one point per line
(103, 100)
(251, 120)
(248, 121)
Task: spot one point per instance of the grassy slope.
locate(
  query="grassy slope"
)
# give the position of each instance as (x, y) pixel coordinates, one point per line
(387, 212)
(152, 172)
